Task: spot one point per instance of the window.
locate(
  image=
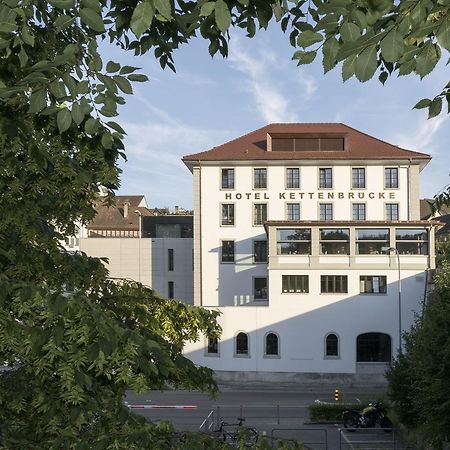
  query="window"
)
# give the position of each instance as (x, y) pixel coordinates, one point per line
(391, 178)
(335, 241)
(411, 241)
(359, 211)
(293, 211)
(331, 346)
(358, 178)
(227, 178)
(371, 241)
(259, 213)
(170, 259)
(292, 178)
(373, 284)
(271, 345)
(326, 178)
(228, 214)
(326, 211)
(373, 347)
(260, 288)
(295, 284)
(260, 251)
(227, 251)
(391, 211)
(170, 289)
(212, 347)
(333, 284)
(241, 344)
(260, 178)
(294, 241)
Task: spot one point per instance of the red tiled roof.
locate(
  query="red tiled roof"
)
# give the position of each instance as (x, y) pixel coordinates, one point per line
(253, 146)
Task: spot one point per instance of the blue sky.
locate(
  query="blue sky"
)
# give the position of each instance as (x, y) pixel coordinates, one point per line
(210, 101)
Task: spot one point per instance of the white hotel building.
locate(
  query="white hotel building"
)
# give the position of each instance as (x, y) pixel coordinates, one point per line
(292, 223)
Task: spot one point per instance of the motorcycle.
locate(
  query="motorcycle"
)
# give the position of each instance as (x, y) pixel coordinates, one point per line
(369, 417)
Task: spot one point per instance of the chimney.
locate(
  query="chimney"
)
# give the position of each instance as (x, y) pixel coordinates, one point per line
(126, 205)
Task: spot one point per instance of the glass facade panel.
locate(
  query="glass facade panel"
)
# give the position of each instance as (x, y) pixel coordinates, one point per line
(227, 251)
(412, 241)
(293, 211)
(292, 178)
(391, 178)
(359, 211)
(260, 178)
(373, 347)
(227, 178)
(272, 344)
(326, 178)
(241, 344)
(292, 284)
(332, 284)
(332, 345)
(391, 211)
(260, 251)
(294, 241)
(213, 346)
(259, 213)
(228, 214)
(335, 241)
(358, 178)
(326, 211)
(373, 284)
(260, 288)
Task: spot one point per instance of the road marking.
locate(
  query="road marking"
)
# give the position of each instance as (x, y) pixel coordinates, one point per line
(162, 406)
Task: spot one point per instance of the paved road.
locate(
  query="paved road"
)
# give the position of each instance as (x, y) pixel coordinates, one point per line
(278, 412)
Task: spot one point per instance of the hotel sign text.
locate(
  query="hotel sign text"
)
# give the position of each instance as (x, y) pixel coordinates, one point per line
(310, 195)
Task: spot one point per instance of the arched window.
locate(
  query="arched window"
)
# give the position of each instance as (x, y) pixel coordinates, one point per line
(271, 345)
(331, 346)
(241, 343)
(373, 347)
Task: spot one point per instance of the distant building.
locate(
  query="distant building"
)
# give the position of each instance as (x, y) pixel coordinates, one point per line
(442, 216)
(147, 245)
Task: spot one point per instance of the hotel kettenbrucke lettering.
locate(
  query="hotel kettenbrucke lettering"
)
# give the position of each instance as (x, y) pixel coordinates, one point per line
(310, 195)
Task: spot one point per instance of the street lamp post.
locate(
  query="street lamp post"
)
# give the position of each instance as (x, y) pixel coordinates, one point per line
(140, 237)
(393, 249)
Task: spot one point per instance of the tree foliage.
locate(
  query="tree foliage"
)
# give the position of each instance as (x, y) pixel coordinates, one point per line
(418, 379)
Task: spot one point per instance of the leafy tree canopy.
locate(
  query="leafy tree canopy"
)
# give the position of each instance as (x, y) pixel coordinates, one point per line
(75, 354)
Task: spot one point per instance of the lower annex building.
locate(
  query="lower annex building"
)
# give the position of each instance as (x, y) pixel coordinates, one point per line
(303, 236)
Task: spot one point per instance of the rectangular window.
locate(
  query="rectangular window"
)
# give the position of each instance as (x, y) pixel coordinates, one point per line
(227, 251)
(411, 241)
(293, 211)
(259, 213)
(373, 284)
(326, 178)
(227, 214)
(292, 178)
(326, 211)
(335, 241)
(260, 288)
(170, 289)
(359, 211)
(170, 256)
(371, 241)
(227, 178)
(295, 284)
(212, 346)
(259, 251)
(294, 241)
(358, 178)
(391, 178)
(391, 211)
(333, 284)
(260, 178)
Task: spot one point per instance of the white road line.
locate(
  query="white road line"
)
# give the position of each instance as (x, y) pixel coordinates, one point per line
(162, 406)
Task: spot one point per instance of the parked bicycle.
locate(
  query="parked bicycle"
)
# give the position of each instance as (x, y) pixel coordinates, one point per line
(371, 416)
(246, 436)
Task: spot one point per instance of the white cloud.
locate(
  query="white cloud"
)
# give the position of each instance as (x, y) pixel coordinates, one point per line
(266, 90)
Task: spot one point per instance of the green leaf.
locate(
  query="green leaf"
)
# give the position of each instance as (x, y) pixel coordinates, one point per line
(207, 9)
(92, 19)
(112, 67)
(383, 77)
(366, 64)
(123, 83)
(308, 38)
(38, 101)
(426, 60)
(91, 126)
(142, 18)
(164, 7)
(77, 113)
(348, 67)
(350, 32)
(443, 33)
(222, 15)
(128, 69)
(58, 89)
(392, 46)
(23, 57)
(27, 37)
(424, 103)
(115, 126)
(330, 50)
(304, 57)
(62, 4)
(435, 107)
(138, 77)
(107, 140)
(93, 4)
(64, 120)
(63, 21)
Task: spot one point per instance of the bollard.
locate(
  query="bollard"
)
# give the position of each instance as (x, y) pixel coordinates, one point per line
(336, 394)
